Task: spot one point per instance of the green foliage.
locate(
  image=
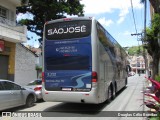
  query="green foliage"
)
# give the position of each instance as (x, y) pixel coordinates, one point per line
(151, 39)
(46, 10)
(156, 23)
(154, 118)
(151, 42)
(135, 50)
(157, 78)
(38, 67)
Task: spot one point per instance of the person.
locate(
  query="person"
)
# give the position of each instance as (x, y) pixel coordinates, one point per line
(139, 72)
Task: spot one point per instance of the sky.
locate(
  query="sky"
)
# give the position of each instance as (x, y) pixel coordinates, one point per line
(116, 17)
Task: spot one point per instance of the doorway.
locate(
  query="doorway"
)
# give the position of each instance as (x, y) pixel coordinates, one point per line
(4, 62)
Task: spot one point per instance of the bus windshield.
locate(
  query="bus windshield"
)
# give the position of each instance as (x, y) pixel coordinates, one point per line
(68, 30)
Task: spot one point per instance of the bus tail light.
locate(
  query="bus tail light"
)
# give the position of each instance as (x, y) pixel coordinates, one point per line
(94, 76)
(66, 55)
(67, 19)
(42, 76)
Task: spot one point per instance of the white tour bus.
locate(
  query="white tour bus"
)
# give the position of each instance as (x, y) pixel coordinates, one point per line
(82, 62)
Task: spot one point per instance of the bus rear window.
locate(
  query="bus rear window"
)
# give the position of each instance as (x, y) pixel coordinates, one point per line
(67, 63)
(68, 30)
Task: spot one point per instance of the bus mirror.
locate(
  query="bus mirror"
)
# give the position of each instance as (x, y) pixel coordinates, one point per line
(128, 68)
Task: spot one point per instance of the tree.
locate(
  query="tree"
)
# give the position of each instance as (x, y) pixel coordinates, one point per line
(46, 10)
(151, 37)
(155, 4)
(151, 42)
(135, 50)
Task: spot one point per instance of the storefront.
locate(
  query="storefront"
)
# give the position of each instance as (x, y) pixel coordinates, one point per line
(7, 60)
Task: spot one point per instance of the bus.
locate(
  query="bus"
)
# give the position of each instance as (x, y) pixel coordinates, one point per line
(82, 62)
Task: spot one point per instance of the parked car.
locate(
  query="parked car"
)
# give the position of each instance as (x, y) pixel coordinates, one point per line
(131, 73)
(13, 95)
(36, 85)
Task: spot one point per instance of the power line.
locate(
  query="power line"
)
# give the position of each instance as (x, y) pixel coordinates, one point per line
(133, 17)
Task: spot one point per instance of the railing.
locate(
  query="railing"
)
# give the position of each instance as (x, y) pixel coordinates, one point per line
(7, 22)
(12, 25)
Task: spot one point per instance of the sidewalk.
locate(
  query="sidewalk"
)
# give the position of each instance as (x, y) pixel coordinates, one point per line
(145, 98)
(147, 83)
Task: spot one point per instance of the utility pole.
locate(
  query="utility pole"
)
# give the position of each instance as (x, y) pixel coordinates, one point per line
(145, 57)
(137, 34)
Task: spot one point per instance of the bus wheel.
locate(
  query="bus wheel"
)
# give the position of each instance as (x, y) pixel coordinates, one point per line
(109, 94)
(126, 82)
(114, 93)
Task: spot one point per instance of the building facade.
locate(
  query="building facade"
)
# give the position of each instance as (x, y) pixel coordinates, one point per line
(11, 35)
(137, 64)
(25, 62)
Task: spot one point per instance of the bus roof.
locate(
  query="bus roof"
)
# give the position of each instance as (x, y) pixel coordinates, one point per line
(69, 19)
(114, 42)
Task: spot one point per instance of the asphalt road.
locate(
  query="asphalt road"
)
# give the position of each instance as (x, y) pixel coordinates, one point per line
(128, 99)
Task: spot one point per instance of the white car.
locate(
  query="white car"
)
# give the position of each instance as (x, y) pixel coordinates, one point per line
(13, 95)
(36, 85)
(131, 73)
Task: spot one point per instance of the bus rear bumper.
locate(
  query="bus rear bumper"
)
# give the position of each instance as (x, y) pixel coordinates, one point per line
(69, 96)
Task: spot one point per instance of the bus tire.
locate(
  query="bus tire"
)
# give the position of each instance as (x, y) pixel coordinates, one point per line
(109, 95)
(114, 91)
(126, 82)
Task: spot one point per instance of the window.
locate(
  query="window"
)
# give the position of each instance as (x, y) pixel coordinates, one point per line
(1, 87)
(138, 64)
(36, 82)
(68, 63)
(10, 86)
(3, 12)
(68, 30)
(105, 38)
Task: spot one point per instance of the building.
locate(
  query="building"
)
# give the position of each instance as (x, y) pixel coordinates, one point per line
(38, 52)
(137, 64)
(14, 59)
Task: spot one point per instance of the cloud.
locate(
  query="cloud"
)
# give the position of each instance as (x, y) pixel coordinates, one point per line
(105, 22)
(108, 6)
(24, 16)
(122, 15)
(103, 6)
(121, 19)
(127, 33)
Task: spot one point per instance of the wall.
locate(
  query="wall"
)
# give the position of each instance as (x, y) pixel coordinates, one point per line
(10, 51)
(24, 65)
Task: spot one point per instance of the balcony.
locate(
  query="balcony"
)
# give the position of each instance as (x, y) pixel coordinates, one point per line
(17, 2)
(9, 31)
